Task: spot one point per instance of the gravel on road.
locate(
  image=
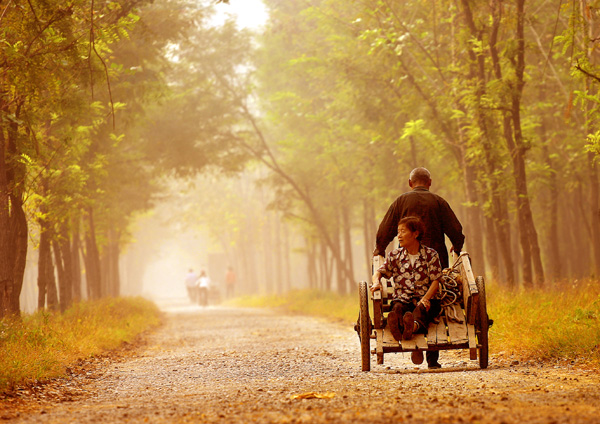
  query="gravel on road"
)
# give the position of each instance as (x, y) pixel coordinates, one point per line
(233, 365)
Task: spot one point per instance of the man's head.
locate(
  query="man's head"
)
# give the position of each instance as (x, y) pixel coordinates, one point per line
(419, 177)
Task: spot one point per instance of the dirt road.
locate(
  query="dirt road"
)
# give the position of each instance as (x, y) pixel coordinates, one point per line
(241, 366)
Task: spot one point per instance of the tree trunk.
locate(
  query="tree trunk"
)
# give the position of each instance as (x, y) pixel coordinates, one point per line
(278, 255)
(13, 224)
(286, 259)
(348, 257)
(247, 276)
(322, 270)
(268, 254)
(326, 268)
(487, 127)
(584, 254)
(473, 227)
(554, 252)
(492, 249)
(552, 243)
(110, 265)
(47, 293)
(369, 233)
(341, 267)
(595, 211)
(75, 262)
(503, 234)
(6, 278)
(569, 238)
(105, 272)
(114, 255)
(523, 202)
(62, 278)
(19, 241)
(518, 166)
(249, 282)
(46, 284)
(92, 259)
(65, 248)
(43, 258)
(311, 264)
(581, 251)
(521, 191)
(52, 293)
(590, 49)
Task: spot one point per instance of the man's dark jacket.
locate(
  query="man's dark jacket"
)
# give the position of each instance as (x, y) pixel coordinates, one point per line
(436, 214)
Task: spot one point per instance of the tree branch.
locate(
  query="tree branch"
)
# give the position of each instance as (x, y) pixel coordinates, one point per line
(583, 71)
(93, 48)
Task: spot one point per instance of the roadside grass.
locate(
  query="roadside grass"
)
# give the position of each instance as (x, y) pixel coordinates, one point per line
(306, 302)
(561, 323)
(553, 324)
(44, 344)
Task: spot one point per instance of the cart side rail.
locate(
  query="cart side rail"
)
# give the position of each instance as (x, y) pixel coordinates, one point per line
(470, 291)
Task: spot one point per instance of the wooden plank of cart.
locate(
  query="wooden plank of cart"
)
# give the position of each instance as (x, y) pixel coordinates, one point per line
(463, 324)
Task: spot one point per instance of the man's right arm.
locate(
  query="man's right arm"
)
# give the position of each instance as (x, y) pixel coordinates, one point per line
(452, 227)
(388, 229)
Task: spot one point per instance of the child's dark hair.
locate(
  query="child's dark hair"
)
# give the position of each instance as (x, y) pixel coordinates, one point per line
(413, 223)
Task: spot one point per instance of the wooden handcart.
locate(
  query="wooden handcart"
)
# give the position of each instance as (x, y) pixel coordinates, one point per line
(462, 324)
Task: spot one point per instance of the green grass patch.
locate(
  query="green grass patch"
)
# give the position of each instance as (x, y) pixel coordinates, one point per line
(542, 324)
(42, 345)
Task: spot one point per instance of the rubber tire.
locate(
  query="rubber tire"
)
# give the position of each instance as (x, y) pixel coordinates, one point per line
(482, 324)
(365, 327)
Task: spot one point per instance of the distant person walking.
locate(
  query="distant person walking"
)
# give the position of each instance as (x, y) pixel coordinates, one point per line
(203, 286)
(230, 280)
(191, 284)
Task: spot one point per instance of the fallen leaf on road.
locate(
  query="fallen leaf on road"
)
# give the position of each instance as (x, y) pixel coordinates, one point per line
(313, 395)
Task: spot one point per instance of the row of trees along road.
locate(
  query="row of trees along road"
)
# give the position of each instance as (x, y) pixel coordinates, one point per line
(499, 99)
(336, 101)
(84, 133)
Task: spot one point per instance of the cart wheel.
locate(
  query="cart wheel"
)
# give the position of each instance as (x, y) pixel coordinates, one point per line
(365, 327)
(482, 324)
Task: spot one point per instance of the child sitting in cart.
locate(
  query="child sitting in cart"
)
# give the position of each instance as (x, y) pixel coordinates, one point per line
(415, 271)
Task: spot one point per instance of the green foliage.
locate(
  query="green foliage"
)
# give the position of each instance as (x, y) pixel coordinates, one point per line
(594, 143)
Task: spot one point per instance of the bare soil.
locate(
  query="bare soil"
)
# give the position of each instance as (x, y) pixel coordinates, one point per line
(250, 365)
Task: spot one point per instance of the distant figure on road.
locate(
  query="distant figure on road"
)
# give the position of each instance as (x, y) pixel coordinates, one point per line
(230, 280)
(203, 286)
(191, 284)
(436, 215)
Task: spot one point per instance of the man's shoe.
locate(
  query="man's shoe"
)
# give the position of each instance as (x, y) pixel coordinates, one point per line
(393, 324)
(435, 366)
(409, 325)
(417, 357)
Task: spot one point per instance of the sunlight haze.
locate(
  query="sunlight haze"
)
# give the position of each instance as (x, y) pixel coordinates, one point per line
(250, 14)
